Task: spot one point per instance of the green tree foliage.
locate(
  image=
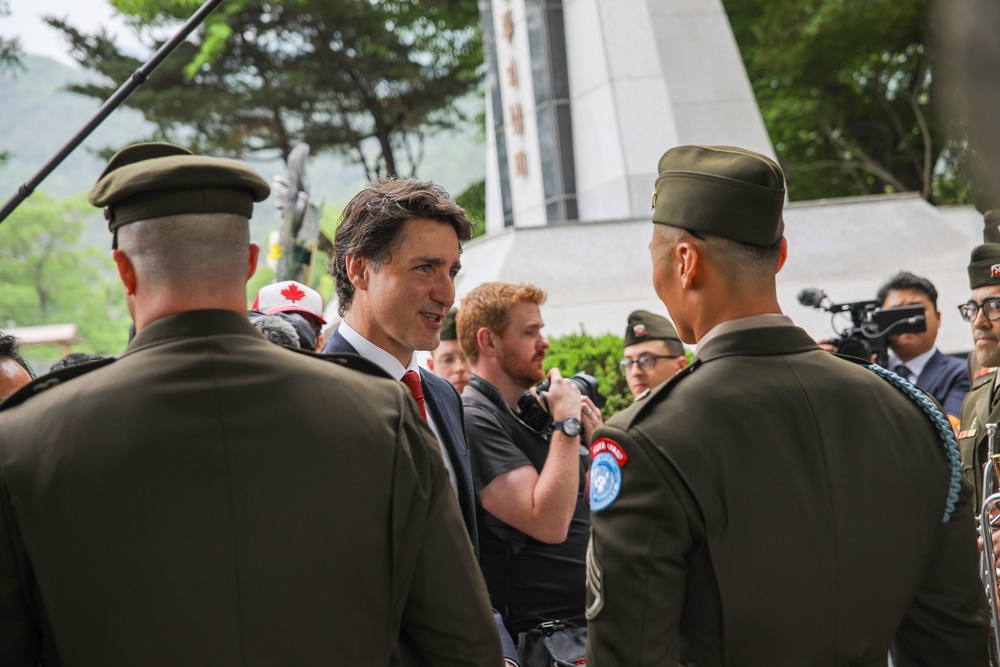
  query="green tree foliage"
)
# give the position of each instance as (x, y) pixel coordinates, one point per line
(48, 277)
(847, 94)
(473, 200)
(366, 79)
(598, 356)
(10, 58)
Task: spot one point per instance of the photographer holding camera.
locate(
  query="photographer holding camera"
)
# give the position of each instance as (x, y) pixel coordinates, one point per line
(532, 476)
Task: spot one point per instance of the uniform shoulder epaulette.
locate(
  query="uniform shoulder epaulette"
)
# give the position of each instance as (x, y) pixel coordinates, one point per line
(57, 377)
(354, 362)
(941, 423)
(982, 376)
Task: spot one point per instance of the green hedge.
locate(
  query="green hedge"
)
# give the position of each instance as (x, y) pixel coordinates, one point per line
(598, 356)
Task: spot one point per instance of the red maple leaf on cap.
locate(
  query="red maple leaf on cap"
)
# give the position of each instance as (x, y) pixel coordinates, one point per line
(293, 293)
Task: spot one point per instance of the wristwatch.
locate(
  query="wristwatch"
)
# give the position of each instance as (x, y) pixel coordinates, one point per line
(570, 426)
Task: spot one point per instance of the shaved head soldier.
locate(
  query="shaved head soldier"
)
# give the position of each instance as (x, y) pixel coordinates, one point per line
(211, 498)
(748, 510)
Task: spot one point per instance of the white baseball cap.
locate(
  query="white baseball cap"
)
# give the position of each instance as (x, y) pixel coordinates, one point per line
(290, 296)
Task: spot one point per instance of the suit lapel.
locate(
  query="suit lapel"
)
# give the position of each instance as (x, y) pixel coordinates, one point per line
(929, 377)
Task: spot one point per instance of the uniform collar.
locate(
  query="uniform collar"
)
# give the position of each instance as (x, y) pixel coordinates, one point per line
(191, 324)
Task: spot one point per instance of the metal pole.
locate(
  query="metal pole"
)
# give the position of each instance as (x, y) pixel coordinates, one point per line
(137, 79)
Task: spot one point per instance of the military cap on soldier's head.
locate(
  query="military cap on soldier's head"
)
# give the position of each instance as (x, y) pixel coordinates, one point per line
(984, 265)
(731, 192)
(449, 330)
(644, 325)
(991, 231)
(154, 180)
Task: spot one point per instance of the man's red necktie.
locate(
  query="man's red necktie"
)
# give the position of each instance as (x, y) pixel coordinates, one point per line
(412, 380)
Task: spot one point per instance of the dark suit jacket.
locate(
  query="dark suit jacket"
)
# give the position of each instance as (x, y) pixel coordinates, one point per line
(445, 405)
(446, 408)
(757, 513)
(945, 378)
(212, 498)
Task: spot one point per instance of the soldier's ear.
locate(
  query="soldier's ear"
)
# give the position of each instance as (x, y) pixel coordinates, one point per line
(126, 271)
(784, 253)
(254, 256)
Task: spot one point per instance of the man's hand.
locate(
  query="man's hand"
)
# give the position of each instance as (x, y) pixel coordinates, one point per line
(590, 419)
(563, 396)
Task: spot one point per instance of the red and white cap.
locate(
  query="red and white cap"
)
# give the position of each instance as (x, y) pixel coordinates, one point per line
(289, 296)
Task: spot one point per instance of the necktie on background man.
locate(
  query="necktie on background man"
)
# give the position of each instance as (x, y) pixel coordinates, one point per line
(412, 381)
(902, 371)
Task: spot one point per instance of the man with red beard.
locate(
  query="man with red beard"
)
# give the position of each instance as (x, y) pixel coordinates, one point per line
(532, 479)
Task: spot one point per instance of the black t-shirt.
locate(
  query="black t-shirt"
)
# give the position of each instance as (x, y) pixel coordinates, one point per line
(529, 581)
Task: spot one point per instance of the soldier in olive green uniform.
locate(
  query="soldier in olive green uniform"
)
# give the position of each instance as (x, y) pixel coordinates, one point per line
(771, 504)
(653, 353)
(982, 404)
(210, 498)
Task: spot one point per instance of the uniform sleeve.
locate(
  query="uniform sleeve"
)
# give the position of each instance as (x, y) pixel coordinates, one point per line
(20, 639)
(447, 618)
(946, 623)
(636, 569)
(491, 446)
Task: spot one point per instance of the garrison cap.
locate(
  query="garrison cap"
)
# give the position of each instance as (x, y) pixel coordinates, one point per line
(984, 265)
(644, 325)
(153, 180)
(731, 192)
(991, 231)
(449, 330)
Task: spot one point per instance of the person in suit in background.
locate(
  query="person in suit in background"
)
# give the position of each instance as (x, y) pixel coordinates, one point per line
(914, 356)
(396, 254)
(209, 497)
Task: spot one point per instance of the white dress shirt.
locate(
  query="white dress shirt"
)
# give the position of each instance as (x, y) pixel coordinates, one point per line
(391, 365)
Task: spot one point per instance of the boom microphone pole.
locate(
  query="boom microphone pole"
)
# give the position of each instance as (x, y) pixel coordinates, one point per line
(138, 78)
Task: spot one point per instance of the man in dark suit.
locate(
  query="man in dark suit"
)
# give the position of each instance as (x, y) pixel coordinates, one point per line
(747, 511)
(397, 252)
(913, 355)
(210, 498)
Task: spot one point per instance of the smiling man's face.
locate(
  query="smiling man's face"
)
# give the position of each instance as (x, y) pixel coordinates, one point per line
(408, 296)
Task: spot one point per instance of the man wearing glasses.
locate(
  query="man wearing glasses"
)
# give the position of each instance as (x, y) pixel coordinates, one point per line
(980, 406)
(653, 352)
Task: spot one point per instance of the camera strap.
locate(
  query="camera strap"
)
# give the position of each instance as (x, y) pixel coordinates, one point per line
(493, 394)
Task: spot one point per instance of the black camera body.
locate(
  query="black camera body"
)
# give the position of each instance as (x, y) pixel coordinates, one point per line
(871, 324)
(537, 417)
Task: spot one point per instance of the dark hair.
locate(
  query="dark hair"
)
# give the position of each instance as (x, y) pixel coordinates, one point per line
(10, 347)
(373, 219)
(75, 359)
(906, 280)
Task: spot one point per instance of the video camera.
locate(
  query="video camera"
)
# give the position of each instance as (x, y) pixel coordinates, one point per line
(871, 324)
(535, 414)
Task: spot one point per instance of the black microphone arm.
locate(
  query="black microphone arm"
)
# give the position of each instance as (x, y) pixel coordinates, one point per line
(138, 78)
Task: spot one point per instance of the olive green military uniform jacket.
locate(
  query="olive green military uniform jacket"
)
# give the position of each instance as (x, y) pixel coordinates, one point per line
(973, 442)
(213, 499)
(779, 506)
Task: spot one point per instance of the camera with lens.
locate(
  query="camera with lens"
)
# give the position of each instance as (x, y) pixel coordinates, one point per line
(535, 412)
(870, 325)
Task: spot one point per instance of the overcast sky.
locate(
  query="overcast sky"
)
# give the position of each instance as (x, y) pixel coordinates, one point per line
(37, 37)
